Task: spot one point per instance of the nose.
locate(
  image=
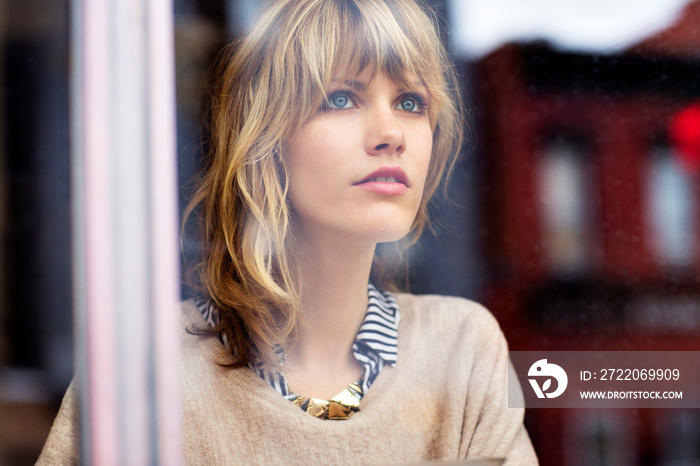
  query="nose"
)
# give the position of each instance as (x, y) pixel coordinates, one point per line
(385, 134)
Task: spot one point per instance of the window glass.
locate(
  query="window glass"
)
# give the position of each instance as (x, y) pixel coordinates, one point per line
(564, 192)
(671, 209)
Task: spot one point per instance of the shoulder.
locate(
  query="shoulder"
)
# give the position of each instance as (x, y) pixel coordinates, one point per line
(203, 357)
(63, 444)
(204, 372)
(192, 325)
(446, 315)
(454, 330)
(454, 306)
(191, 314)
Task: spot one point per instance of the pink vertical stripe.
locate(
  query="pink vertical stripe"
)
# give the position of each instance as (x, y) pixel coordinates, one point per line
(101, 340)
(166, 277)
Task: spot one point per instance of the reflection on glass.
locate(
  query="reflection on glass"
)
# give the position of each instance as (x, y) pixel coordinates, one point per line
(679, 431)
(564, 194)
(671, 209)
(603, 437)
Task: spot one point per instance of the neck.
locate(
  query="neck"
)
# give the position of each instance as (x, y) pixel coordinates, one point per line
(334, 277)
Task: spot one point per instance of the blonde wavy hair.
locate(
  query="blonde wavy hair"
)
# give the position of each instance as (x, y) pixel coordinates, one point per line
(269, 85)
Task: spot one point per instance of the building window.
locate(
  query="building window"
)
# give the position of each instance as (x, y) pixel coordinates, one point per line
(565, 194)
(671, 209)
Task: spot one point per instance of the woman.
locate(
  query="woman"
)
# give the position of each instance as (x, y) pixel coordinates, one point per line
(332, 126)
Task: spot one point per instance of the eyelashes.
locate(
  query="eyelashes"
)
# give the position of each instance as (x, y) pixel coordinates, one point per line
(409, 102)
(415, 103)
(339, 100)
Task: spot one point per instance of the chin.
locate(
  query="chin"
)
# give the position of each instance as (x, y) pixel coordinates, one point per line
(391, 233)
(391, 228)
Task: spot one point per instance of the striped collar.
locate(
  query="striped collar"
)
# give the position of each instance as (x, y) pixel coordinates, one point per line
(380, 328)
(376, 342)
(375, 345)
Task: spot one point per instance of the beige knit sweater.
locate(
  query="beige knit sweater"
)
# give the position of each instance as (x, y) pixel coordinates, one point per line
(445, 399)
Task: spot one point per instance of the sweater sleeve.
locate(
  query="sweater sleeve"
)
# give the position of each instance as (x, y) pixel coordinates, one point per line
(63, 444)
(491, 428)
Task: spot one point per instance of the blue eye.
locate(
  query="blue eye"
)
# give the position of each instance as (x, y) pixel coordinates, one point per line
(411, 104)
(340, 100)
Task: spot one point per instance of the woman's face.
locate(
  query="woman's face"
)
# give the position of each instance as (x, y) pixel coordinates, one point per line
(357, 168)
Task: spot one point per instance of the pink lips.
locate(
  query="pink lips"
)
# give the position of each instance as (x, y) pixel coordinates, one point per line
(391, 181)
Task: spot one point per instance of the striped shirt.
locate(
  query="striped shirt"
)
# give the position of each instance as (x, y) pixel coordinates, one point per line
(374, 347)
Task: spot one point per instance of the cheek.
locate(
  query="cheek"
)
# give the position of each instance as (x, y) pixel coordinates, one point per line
(299, 155)
(424, 155)
(300, 177)
(310, 167)
(322, 152)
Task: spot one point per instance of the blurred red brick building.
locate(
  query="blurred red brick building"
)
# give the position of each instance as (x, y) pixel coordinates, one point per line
(593, 222)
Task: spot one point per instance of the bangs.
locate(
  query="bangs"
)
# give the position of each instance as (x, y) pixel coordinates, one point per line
(374, 40)
(345, 38)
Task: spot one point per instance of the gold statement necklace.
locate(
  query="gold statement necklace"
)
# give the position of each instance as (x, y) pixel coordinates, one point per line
(339, 408)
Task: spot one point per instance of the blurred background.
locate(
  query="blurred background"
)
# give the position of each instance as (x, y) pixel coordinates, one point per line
(574, 214)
